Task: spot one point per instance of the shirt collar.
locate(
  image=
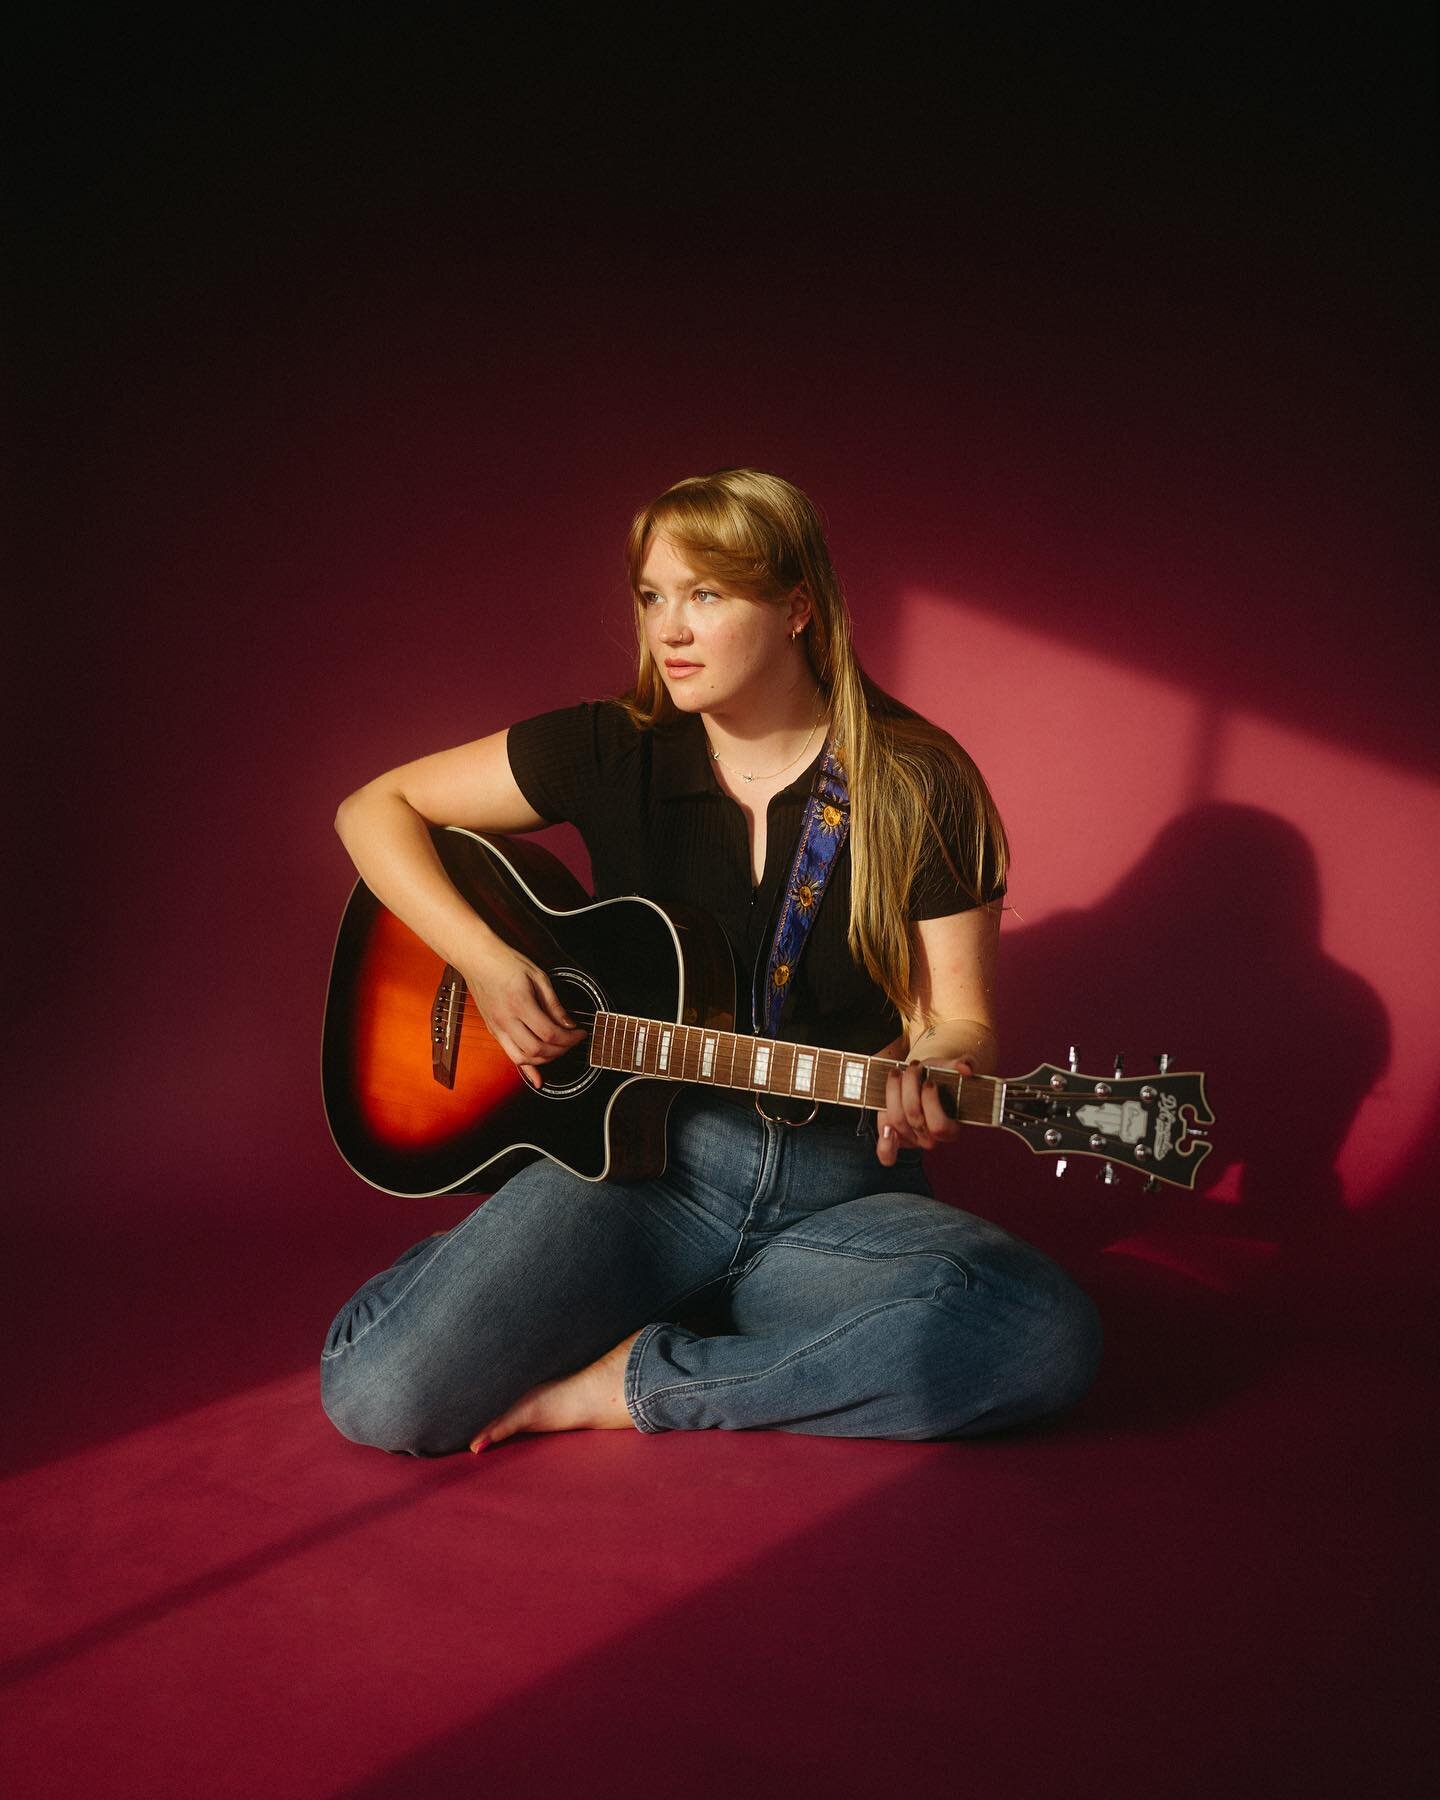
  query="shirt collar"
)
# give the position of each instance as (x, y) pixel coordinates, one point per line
(682, 759)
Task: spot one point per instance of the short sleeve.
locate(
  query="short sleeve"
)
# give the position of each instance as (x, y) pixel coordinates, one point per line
(941, 886)
(561, 760)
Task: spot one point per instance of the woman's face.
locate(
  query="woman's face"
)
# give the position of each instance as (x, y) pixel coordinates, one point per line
(717, 650)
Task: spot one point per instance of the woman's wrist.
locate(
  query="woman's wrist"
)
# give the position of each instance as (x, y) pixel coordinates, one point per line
(958, 1040)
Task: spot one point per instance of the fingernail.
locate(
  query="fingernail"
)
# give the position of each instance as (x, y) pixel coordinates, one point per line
(478, 1444)
(887, 1131)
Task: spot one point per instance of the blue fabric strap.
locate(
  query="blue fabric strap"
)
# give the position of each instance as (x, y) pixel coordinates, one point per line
(822, 833)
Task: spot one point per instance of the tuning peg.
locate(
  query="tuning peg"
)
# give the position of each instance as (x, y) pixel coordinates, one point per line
(1061, 1164)
(1162, 1062)
(1119, 1063)
(1108, 1175)
(1073, 1059)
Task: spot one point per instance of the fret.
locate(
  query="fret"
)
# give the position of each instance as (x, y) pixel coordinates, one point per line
(690, 1053)
(729, 1059)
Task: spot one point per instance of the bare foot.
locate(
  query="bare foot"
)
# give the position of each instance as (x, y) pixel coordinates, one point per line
(592, 1399)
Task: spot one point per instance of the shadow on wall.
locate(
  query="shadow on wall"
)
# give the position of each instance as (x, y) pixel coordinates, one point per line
(1207, 948)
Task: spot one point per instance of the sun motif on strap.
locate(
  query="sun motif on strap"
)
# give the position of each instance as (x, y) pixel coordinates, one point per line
(781, 976)
(806, 895)
(830, 816)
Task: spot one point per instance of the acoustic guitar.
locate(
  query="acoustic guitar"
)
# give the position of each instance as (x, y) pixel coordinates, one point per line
(421, 1100)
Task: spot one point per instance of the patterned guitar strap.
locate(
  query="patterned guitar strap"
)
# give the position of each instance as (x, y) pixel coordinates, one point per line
(822, 833)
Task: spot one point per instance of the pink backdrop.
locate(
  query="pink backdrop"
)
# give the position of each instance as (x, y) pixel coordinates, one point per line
(351, 352)
(1152, 556)
(1151, 550)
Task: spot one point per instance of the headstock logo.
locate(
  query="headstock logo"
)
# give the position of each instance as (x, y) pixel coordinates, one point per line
(1169, 1126)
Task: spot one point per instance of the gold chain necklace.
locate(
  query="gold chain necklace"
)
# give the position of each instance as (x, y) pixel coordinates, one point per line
(753, 775)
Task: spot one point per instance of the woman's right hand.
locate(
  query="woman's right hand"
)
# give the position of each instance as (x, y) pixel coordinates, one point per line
(520, 1007)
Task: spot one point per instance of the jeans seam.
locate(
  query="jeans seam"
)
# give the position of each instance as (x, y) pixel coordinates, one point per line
(769, 1156)
(634, 1405)
(794, 1243)
(329, 1355)
(719, 1381)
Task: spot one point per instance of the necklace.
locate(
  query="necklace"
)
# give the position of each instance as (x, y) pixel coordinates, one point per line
(752, 775)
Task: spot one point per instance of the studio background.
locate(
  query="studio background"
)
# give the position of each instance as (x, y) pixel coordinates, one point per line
(350, 358)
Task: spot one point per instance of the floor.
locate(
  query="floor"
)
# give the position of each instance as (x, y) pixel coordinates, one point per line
(1209, 1581)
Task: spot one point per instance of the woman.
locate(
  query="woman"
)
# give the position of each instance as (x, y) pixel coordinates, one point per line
(843, 1298)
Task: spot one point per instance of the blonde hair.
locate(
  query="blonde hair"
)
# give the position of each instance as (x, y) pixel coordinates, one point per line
(911, 784)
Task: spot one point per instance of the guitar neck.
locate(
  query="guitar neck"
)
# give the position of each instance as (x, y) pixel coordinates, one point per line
(729, 1059)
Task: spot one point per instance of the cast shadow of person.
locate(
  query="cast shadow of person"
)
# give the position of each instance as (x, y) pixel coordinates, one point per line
(1208, 948)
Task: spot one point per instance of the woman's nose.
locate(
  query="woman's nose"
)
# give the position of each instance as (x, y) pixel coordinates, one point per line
(674, 627)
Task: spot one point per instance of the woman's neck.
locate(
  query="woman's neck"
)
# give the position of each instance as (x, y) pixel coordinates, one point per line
(760, 736)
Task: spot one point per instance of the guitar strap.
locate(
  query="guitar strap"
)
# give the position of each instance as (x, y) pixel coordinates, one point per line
(823, 831)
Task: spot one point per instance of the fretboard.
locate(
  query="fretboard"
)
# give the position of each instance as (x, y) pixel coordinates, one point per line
(728, 1059)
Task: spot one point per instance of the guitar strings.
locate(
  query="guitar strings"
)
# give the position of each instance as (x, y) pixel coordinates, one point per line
(1029, 1092)
(471, 1010)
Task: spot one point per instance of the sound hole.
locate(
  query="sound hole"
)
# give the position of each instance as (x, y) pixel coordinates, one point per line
(582, 999)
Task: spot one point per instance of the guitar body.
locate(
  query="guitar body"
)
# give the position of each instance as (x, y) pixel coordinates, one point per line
(420, 1098)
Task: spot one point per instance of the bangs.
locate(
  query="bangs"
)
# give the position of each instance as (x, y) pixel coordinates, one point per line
(719, 537)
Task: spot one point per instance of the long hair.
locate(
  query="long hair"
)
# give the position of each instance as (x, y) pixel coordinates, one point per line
(913, 790)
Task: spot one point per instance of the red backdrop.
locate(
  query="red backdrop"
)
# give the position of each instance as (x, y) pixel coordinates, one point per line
(349, 353)
(347, 387)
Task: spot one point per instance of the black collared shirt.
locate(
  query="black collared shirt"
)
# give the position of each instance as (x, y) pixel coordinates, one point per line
(657, 823)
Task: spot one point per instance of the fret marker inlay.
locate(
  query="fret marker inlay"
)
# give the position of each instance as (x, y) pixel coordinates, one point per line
(665, 1037)
(642, 1032)
(707, 1057)
(760, 1071)
(854, 1080)
(804, 1072)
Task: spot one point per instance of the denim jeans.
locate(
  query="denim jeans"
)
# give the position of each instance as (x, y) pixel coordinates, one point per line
(834, 1296)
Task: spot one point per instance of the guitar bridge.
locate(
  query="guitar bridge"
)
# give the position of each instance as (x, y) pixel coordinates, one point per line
(446, 1018)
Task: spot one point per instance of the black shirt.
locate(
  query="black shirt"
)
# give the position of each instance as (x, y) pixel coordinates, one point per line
(657, 823)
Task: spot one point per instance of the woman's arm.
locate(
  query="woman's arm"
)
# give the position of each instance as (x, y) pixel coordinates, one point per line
(385, 826)
(953, 961)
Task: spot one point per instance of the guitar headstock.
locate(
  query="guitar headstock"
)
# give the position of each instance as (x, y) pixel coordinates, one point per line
(1155, 1123)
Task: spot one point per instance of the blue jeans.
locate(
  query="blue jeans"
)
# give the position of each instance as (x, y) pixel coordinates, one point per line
(843, 1300)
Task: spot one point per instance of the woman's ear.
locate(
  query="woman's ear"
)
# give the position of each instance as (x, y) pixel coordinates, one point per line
(800, 609)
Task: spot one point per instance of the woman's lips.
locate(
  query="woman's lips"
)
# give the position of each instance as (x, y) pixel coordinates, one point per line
(682, 668)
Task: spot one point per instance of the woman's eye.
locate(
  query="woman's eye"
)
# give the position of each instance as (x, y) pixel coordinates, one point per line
(706, 594)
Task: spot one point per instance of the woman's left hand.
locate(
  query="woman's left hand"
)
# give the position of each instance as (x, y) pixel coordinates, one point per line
(913, 1116)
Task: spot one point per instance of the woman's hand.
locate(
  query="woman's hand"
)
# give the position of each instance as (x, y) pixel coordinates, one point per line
(913, 1116)
(520, 1007)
